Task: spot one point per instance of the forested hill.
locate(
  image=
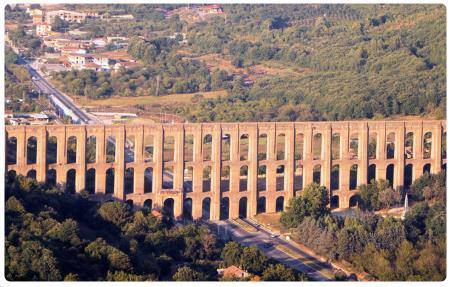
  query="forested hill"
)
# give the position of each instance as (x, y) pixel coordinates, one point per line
(278, 62)
(336, 61)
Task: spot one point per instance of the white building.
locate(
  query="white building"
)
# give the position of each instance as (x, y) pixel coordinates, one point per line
(66, 15)
(43, 29)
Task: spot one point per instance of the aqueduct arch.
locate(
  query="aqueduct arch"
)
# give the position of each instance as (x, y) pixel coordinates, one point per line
(258, 171)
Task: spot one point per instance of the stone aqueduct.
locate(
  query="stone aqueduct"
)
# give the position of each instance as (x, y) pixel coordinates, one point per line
(221, 170)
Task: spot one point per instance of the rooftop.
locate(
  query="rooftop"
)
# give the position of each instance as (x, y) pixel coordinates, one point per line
(233, 271)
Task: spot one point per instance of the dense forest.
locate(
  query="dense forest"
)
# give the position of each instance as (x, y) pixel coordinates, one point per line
(389, 249)
(53, 236)
(332, 62)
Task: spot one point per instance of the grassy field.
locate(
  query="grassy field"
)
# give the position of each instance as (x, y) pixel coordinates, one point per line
(131, 101)
(271, 220)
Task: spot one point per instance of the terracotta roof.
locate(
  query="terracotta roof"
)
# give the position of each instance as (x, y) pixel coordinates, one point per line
(234, 271)
(92, 65)
(156, 213)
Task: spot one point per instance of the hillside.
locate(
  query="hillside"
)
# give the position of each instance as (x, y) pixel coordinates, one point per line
(277, 62)
(359, 61)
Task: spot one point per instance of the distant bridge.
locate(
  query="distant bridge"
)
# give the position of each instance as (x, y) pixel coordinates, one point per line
(222, 170)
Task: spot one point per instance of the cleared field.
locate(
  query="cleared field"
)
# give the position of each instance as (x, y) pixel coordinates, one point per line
(253, 72)
(131, 101)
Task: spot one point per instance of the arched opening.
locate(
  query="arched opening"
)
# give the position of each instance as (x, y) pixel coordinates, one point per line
(189, 147)
(427, 142)
(226, 140)
(149, 147)
(353, 176)
(261, 186)
(206, 179)
(353, 146)
(31, 174)
(188, 179)
(207, 147)
(224, 208)
(261, 206)
(243, 178)
(262, 147)
(169, 148)
(167, 177)
(51, 150)
(129, 202)
(148, 203)
(390, 174)
(90, 181)
(335, 146)
(334, 202)
(11, 175)
(390, 145)
(427, 168)
(110, 149)
(70, 181)
(31, 150)
(225, 179)
(168, 207)
(298, 146)
(317, 146)
(408, 176)
(72, 149)
(371, 173)
(148, 180)
(409, 145)
(243, 147)
(355, 200)
(335, 177)
(109, 188)
(187, 209)
(206, 206)
(11, 147)
(129, 149)
(280, 178)
(317, 173)
(281, 146)
(91, 146)
(298, 177)
(279, 204)
(243, 207)
(372, 146)
(129, 180)
(50, 177)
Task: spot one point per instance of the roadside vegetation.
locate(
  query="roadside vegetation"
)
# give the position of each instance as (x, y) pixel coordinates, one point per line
(52, 236)
(387, 248)
(18, 87)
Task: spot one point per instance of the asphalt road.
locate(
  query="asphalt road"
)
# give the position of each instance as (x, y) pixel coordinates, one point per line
(42, 84)
(315, 269)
